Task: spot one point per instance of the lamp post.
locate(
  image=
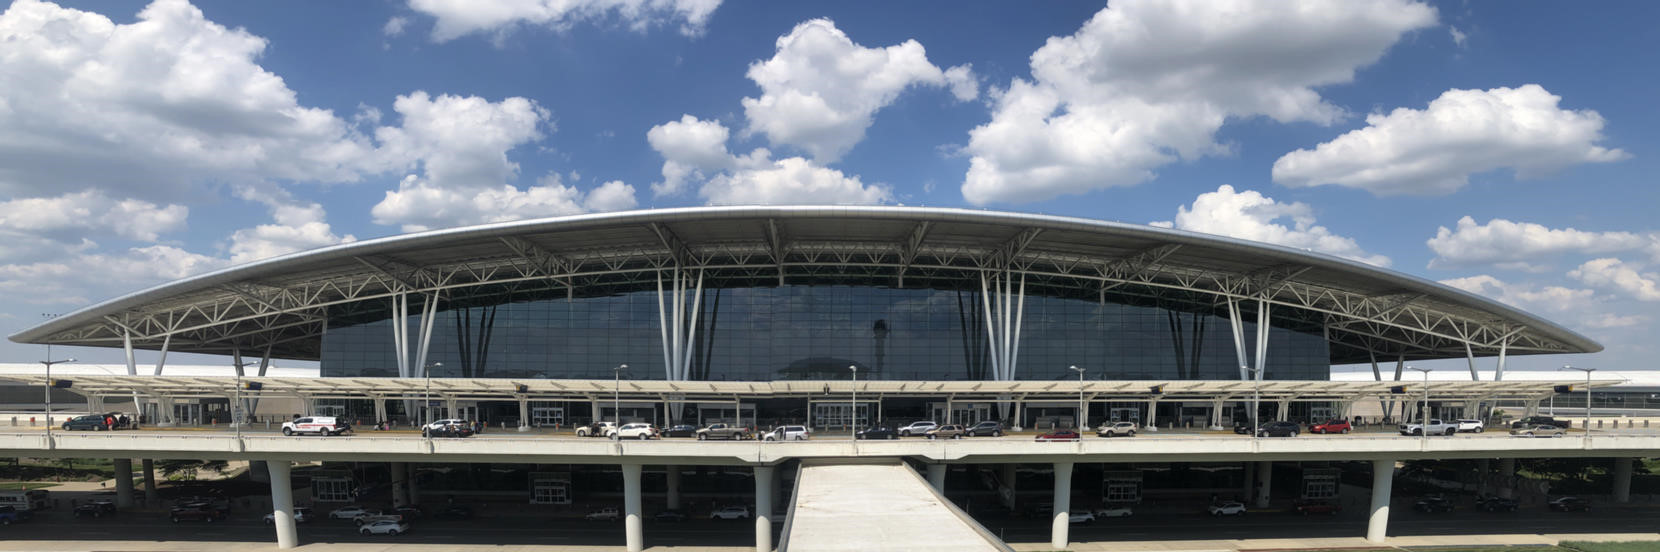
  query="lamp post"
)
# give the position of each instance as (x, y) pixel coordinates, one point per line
(616, 401)
(853, 412)
(1423, 411)
(1083, 413)
(49, 362)
(1587, 398)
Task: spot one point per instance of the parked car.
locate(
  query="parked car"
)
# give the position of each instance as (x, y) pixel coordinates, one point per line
(457, 431)
(1435, 427)
(316, 425)
(670, 515)
(878, 432)
(409, 512)
(730, 512)
(985, 429)
(384, 527)
(680, 430)
(1279, 429)
(301, 515)
(1433, 505)
(724, 431)
(1059, 435)
(429, 429)
(366, 519)
(94, 422)
(351, 512)
(454, 511)
(602, 514)
(947, 431)
(1331, 426)
(596, 429)
(1531, 421)
(788, 433)
(1117, 429)
(10, 514)
(1308, 507)
(199, 512)
(1471, 426)
(639, 431)
(1497, 504)
(916, 428)
(1227, 509)
(1243, 427)
(95, 508)
(1113, 511)
(1541, 430)
(1084, 516)
(1569, 504)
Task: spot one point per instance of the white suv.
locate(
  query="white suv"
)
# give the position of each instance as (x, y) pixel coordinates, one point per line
(730, 512)
(427, 430)
(318, 425)
(788, 433)
(1471, 426)
(635, 431)
(917, 428)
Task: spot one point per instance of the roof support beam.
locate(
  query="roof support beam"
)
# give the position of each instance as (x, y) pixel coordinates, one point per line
(913, 244)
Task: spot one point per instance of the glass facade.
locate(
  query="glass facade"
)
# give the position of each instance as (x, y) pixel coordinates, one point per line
(815, 332)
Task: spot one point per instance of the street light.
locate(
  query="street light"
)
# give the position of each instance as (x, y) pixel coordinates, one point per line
(853, 414)
(616, 400)
(1587, 397)
(49, 362)
(1423, 415)
(1083, 414)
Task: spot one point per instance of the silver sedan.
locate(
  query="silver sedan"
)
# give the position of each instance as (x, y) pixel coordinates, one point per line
(1538, 431)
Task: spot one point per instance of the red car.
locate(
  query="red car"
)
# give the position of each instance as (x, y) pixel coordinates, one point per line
(1318, 507)
(1331, 426)
(1059, 435)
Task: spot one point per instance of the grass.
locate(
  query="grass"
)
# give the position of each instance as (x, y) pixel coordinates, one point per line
(1629, 546)
(1565, 546)
(19, 485)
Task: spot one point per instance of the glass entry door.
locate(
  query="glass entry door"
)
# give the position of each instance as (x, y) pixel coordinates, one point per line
(835, 415)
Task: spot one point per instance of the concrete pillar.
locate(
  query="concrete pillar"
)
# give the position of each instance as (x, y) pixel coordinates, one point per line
(631, 508)
(1622, 479)
(936, 477)
(1283, 413)
(1507, 477)
(414, 490)
(1017, 423)
(671, 474)
(282, 504)
(524, 413)
(1063, 504)
(1383, 479)
(1484, 473)
(380, 408)
(763, 508)
(1152, 415)
(124, 482)
(1008, 478)
(1250, 480)
(151, 497)
(257, 472)
(400, 484)
(1265, 481)
(1216, 415)
(164, 410)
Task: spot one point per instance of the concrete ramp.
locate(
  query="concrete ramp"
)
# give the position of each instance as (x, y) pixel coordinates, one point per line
(875, 504)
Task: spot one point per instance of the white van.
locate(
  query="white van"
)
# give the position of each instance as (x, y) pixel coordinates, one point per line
(316, 425)
(37, 499)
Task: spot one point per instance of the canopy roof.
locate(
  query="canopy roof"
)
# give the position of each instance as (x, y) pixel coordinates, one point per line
(284, 303)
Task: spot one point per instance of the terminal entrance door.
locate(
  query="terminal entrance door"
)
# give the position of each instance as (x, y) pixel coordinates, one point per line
(547, 416)
(331, 489)
(961, 413)
(189, 413)
(1124, 414)
(836, 415)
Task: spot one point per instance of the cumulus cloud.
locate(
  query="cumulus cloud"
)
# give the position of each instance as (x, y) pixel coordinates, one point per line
(1145, 82)
(298, 226)
(820, 91)
(147, 108)
(1615, 275)
(1523, 295)
(456, 18)
(70, 217)
(1435, 150)
(1250, 215)
(395, 26)
(611, 196)
(1520, 245)
(694, 153)
(65, 282)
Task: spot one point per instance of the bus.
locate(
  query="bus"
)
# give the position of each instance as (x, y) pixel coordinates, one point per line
(36, 499)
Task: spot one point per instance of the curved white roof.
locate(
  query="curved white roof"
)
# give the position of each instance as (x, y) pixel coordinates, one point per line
(284, 302)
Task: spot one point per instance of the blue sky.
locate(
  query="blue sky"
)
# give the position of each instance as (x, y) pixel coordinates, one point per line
(142, 143)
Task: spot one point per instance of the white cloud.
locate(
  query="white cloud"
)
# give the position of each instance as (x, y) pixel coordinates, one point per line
(299, 226)
(419, 205)
(691, 150)
(148, 108)
(1435, 150)
(66, 282)
(456, 18)
(1608, 320)
(611, 196)
(1251, 216)
(1458, 37)
(1505, 243)
(821, 91)
(1144, 82)
(1614, 274)
(395, 26)
(1525, 296)
(694, 153)
(71, 217)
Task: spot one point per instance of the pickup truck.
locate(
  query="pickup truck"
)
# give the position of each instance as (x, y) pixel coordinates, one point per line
(724, 431)
(1436, 427)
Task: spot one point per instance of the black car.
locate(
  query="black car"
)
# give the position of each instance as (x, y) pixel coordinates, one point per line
(1279, 429)
(1433, 505)
(1497, 504)
(880, 432)
(984, 429)
(451, 430)
(670, 515)
(1570, 504)
(408, 512)
(682, 430)
(96, 508)
(1531, 421)
(93, 422)
(454, 511)
(195, 512)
